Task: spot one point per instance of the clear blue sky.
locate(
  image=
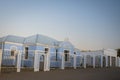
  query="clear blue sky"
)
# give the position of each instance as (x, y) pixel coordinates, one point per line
(89, 24)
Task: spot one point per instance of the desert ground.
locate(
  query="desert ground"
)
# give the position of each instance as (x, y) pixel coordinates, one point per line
(67, 74)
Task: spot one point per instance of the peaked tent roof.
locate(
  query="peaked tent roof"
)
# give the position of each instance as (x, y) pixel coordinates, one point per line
(65, 44)
(12, 38)
(38, 38)
(41, 39)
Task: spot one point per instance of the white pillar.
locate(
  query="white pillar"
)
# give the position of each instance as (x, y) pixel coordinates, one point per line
(93, 61)
(48, 62)
(110, 61)
(84, 61)
(74, 61)
(19, 55)
(116, 61)
(0, 59)
(101, 62)
(45, 62)
(63, 61)
(106, 60)
(36, 61)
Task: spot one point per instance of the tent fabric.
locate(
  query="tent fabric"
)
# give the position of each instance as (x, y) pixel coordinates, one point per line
(11, 38)
(41, 39)
(65, 44)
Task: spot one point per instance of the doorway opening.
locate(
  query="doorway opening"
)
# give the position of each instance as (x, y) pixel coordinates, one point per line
(66, 53)
(42, 62)
(26, 52)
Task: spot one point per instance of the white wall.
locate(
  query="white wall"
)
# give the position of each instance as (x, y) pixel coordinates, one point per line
(110, 52)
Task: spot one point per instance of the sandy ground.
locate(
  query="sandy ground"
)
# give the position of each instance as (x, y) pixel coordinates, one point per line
(68, 74)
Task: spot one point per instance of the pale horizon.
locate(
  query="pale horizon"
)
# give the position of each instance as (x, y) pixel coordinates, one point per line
(89, 24)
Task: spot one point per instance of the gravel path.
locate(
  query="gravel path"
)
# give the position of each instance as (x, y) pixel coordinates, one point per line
(67, 74)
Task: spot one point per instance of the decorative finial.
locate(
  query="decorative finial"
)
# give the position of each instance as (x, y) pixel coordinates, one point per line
(66, 39)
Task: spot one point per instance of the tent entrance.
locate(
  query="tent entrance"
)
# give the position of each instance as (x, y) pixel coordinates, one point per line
(42, 62)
